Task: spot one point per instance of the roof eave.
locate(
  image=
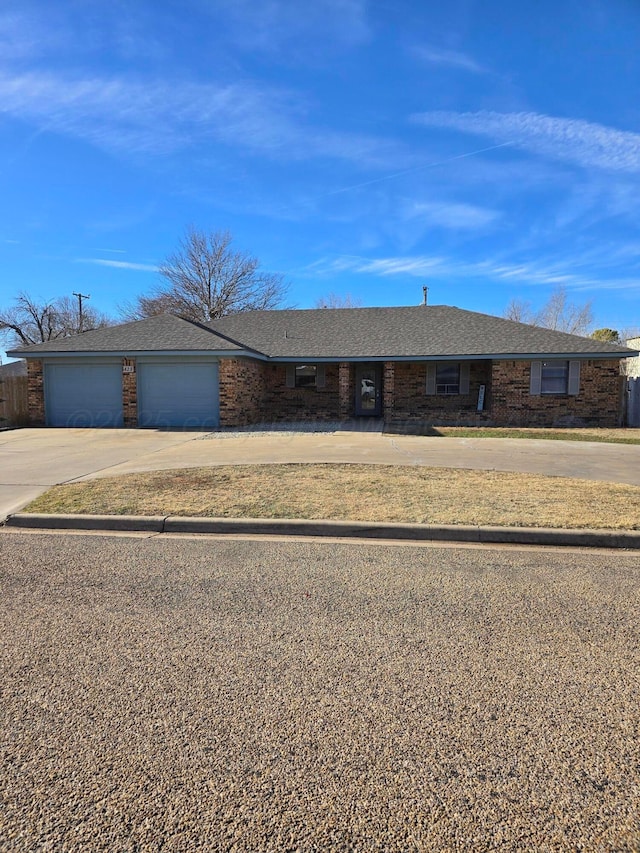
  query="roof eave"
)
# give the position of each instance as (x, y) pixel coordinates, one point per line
(518, 356)
(131, 353)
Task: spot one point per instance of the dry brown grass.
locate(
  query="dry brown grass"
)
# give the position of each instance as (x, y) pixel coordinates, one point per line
(356, 492)
(620, 435)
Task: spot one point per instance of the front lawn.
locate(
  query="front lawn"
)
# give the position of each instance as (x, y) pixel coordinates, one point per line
(358, 493)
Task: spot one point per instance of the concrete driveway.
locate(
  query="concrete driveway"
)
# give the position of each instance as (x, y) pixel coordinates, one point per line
(32, 460)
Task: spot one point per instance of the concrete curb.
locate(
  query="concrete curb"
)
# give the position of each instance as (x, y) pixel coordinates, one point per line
(46, 521)
(334, 529)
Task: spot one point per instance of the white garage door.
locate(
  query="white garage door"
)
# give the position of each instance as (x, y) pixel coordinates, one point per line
(178, 393)
(83, 394)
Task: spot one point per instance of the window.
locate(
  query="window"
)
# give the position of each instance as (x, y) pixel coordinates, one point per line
(554, 377)
(306, 375)
(448, 378)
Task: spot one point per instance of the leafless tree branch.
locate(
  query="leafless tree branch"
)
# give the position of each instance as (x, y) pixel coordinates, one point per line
(206, 278)
(557, 313)
(29, 321)
(336, 300)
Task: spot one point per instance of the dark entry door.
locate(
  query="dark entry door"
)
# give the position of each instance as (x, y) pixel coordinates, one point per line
(369, 390)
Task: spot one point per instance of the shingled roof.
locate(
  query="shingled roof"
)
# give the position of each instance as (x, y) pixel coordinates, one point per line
(423, 332)
(163, 333)
(431, 331)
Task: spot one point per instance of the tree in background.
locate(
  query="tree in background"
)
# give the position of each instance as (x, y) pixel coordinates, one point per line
(335, 300)
(206, 278)
(557, 313)
(605, 335)
(31, 321)
(629, 332)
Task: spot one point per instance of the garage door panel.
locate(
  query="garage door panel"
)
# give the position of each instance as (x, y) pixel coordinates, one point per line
(83, 395)
(178, 394)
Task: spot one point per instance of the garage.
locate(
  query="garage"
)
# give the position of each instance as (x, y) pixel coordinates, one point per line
(83, 394)
(178, 393)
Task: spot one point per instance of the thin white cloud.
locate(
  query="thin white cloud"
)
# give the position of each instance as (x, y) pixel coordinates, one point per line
(448, 58)
(451, 215)
(569, 272)
(418, 265)
(164, 117)
(120, 265)
(569, 140)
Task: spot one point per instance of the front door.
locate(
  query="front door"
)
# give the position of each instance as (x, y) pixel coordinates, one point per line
(368, 390)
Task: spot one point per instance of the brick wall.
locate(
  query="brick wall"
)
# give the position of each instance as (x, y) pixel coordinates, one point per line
(300, 404)
(242, 391)
(597, 404)
(389, 390)
(35, 392)
(129, 394)
(346, 389)
(412, 405)
(254, 392)
(507, 398)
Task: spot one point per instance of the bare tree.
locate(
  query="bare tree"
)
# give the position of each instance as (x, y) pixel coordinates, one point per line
(520, 311)
(206, 278)
(565, 316)
(336, 300)
(30, 321)
(629, 332)
(557, 313)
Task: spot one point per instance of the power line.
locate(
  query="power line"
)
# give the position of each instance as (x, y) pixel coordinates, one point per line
(80, 296)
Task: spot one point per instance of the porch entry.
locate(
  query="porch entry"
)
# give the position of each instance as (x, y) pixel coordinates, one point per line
(368, 390)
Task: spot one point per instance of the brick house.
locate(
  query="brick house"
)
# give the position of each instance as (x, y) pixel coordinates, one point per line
(411, 367)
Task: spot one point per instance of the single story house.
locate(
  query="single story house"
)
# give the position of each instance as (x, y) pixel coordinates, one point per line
(410, 366)
(632, 372)
(13, 370)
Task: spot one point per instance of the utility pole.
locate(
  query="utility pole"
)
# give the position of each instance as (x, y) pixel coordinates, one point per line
(80, 296)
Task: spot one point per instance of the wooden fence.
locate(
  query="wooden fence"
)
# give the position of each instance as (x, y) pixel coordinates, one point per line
(633, 401)
(13, 401)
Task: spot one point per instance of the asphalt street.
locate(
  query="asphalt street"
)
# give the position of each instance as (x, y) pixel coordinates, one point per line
(205, 694)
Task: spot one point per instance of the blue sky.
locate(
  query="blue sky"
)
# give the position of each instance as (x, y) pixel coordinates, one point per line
(490, 150)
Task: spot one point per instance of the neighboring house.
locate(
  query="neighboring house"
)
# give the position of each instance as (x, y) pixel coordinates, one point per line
(632, 371)
(13, 369)
(409, 366)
